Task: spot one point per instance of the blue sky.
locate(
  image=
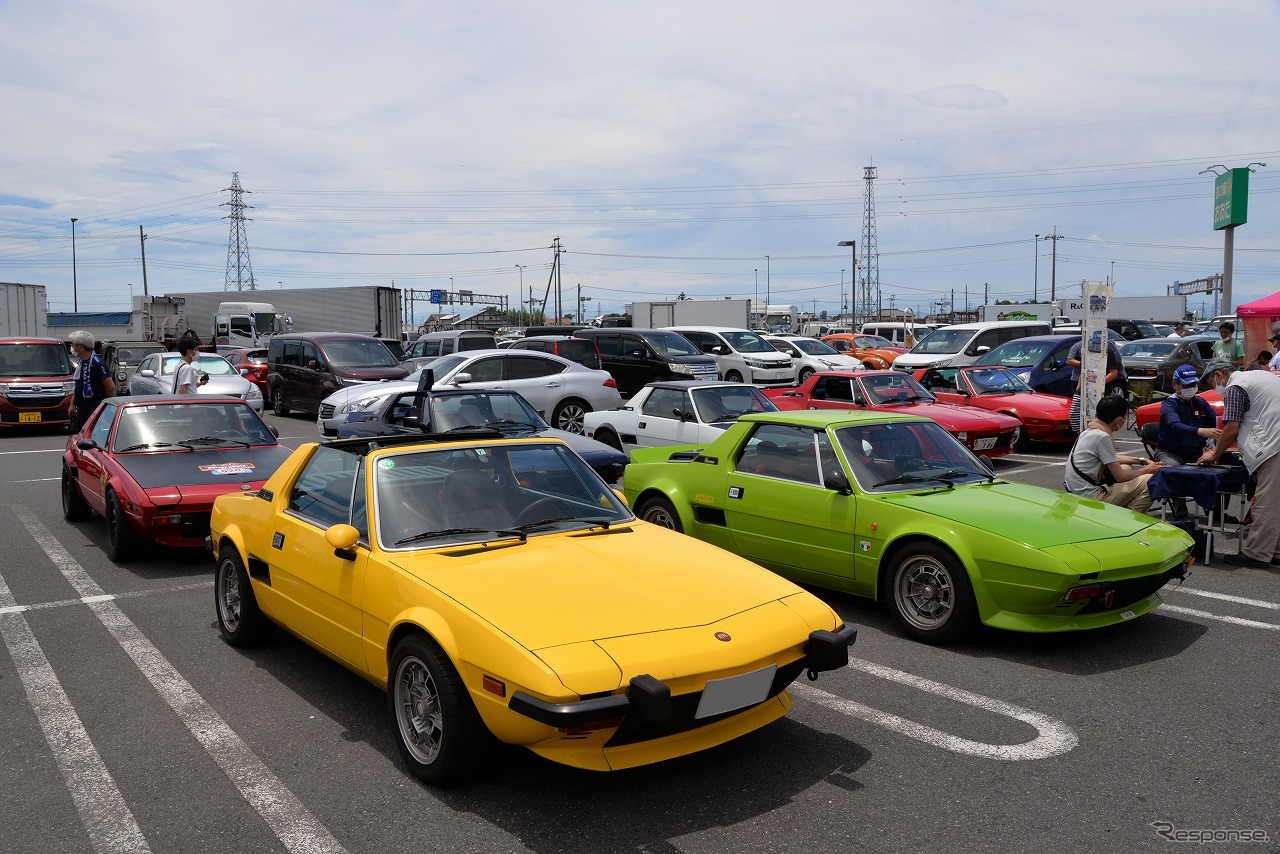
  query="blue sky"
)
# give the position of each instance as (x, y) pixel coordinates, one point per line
(671, 146)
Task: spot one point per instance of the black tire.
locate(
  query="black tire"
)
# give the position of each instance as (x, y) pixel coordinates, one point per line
(74, 508)
(930, 594)
(805, 373)
(1021, 441)
(440, 733)
(568, 414)
(240, 620)
(122, 542)
(659, 511)
(606, 436)
(277, 403)
(733, 377)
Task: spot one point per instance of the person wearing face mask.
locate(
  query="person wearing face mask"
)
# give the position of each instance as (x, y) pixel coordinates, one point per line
(1096, 470)
(1187, 421)
(1227, 347)
(1251, 419)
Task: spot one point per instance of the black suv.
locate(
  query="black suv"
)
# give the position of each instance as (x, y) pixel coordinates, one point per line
(637, 357)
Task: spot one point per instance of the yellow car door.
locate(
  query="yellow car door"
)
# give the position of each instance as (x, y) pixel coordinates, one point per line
(320, 591)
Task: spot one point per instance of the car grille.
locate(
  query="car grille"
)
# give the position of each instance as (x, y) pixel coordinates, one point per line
(34, 401)
(703, 370)
(1130, 591)
(685, 706)
(327, 410)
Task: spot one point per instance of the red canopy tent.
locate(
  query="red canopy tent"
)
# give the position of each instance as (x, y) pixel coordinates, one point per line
(1261, 320)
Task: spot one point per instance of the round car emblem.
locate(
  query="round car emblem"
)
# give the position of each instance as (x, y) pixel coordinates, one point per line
(723, 636)
(35, 389)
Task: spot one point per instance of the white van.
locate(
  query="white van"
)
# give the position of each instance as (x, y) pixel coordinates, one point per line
(962, 344)
(901, 334)
(741, 355)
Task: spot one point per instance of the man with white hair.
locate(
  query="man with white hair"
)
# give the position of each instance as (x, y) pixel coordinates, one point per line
(1251, 419)
(93, 382)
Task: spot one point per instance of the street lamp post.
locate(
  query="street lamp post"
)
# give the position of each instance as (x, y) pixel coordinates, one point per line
(75, 288)
(768, 290)
(755, 298)
(853, 278)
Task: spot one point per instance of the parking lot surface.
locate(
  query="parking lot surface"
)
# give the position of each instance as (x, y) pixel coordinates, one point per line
(129, 725)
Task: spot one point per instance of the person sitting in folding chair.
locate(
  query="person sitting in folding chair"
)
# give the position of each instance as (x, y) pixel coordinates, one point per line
(1187, 423)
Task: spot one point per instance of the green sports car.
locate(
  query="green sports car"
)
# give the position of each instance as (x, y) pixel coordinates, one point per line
(893, 507)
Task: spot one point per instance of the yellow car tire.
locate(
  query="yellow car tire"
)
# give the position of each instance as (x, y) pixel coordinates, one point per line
(240, 620)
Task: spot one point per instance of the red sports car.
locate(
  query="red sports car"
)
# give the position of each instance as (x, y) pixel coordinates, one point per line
(252, 365)
(988, 434)
(1044, 417)
(151, 465)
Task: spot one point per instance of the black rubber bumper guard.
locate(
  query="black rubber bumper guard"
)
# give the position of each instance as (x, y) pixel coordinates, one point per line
(648, 701)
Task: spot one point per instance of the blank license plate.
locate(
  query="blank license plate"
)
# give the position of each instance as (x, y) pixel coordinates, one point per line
(985, 444)
(29, 417)
(736, 692)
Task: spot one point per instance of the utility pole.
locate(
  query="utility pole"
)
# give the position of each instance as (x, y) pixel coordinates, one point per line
(1035, 285)
(768, 287)
(1053, 280)
(142, 241)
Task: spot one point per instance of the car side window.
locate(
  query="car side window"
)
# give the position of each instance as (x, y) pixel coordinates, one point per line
(701, 340)
(529, 367)
(309, 355)
(488, 370)
(782, 451)
(292, 353)
(322, 494)
(609, 345)
(941, 380)
(988, 339)
(102, 429)
(633, 346)
(661, 402)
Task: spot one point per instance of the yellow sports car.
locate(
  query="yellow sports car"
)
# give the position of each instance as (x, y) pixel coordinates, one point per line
(498, 588)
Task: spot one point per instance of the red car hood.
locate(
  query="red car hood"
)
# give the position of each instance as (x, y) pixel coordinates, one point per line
(953, 416)
(1032, 404)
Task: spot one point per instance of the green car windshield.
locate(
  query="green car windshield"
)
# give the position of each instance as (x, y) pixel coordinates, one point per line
(910, 455)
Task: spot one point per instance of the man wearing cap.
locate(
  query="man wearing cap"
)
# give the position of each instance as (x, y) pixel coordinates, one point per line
(1187, 421)
(1251, 419)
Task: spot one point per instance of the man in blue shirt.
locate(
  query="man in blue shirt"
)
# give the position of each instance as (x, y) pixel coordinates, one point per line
(1187, 422)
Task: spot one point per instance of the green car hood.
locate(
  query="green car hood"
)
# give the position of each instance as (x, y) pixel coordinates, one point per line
(1041, 518)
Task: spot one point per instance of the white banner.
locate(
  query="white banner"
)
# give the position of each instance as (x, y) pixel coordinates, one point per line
(1093, 357)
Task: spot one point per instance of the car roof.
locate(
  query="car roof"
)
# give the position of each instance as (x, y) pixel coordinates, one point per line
(548, 338)
(32, 339)
(681, 385)
(152, 399)
(701, 328)
(830, 417)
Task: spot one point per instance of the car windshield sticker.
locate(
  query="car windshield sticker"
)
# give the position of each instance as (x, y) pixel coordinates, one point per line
(227, 468)
(386, 464)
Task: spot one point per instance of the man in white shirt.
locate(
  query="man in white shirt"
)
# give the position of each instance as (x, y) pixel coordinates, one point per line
(1179, 330)
(1096, 470)
(184, 379)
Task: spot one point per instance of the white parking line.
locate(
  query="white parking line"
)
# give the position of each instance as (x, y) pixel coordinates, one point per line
(1018, 457)
(1235, 621)
(1054, 737)
(35, 451)
(1240, 600)
(292, 823)
(106, 818)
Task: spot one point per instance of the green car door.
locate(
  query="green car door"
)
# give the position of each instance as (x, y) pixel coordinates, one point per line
(780, 513)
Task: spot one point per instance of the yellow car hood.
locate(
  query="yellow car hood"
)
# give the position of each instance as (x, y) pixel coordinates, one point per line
(570, 587)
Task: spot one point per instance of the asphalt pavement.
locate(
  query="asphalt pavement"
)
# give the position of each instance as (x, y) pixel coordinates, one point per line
(129, 725)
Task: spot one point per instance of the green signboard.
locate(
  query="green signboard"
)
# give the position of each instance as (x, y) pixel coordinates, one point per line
(1231, 199)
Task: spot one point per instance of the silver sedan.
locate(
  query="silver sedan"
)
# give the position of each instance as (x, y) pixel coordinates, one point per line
(155, 375)
(562, 391)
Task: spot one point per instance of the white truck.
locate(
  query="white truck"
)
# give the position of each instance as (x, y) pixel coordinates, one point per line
(238, 325)
(367, 309)
(735, 313)
(24, 310)
(151, 318)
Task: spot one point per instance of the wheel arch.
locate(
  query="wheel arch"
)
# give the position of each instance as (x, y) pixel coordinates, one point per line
(943, 541)
(423, 621)
(673, 496)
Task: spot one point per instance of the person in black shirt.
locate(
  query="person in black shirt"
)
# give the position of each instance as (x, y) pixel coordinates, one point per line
(93, 383)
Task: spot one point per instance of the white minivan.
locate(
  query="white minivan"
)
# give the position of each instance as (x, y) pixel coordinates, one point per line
(962, 344)
(741, 355)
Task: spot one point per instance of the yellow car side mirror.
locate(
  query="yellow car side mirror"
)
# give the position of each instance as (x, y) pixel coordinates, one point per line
(621, 497)
(342, 538)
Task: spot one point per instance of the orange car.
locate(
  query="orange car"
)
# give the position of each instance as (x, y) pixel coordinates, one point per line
(873, 351)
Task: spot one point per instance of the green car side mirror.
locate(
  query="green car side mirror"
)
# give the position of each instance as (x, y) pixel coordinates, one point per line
(836, 480)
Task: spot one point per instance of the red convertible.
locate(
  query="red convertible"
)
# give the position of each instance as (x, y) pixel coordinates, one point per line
(987, 434)
(1044, 417)
(151, 466)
